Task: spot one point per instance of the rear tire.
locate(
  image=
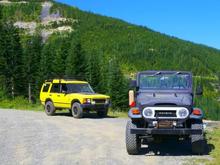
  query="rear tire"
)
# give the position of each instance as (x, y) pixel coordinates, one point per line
(198, 141)
(49, 108)
(77, 110)
(133, 142)
(102, 113)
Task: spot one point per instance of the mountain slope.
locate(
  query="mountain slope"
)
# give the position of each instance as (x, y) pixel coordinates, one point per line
(136, 47)
(140, 48)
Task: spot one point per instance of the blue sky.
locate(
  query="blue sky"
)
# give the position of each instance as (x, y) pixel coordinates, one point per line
(194, 20)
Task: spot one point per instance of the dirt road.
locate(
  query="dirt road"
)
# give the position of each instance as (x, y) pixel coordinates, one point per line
(33, 138)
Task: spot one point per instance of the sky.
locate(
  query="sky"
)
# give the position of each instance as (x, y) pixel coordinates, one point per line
(193, 20)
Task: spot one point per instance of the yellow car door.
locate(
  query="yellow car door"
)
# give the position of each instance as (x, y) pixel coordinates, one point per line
(64, 97)
(55, 94)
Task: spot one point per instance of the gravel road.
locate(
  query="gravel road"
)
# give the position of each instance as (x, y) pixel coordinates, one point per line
(28, 137)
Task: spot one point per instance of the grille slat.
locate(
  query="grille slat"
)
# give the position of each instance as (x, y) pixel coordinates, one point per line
(159, 113)
(99, 101)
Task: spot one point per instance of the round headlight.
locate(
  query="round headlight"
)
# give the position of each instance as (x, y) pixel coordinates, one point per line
(88, 101)
(148, 112)
(183, 113)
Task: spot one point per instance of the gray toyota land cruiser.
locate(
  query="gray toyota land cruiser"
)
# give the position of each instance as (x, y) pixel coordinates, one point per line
(162, 106)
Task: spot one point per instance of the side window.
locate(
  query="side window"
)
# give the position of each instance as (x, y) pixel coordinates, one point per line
(55, 88)
(46, 87)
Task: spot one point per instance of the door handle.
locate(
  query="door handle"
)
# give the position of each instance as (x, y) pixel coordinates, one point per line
(50, 95)
(58, 95)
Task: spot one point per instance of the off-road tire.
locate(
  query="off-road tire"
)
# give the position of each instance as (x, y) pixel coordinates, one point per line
(77, 110)
(49, 108)
(133, 142)
(102, 113)
(197, 140)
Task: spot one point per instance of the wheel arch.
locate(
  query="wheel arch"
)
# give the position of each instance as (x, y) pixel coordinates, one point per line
(75, 101)
(48, 99)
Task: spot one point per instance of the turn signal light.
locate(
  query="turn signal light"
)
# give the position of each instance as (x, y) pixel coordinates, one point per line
(197, 112)
(132, 104)
(136, 112)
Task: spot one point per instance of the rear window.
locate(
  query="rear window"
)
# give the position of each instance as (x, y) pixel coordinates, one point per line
(46, 87)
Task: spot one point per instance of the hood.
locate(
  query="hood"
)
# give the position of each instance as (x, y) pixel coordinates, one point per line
(154, 99)
(92, 95)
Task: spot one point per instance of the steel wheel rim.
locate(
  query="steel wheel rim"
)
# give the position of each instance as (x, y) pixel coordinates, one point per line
(75, 110)
(48, 108)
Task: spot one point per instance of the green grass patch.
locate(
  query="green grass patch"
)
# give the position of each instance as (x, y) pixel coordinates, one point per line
(21, 103)
(214, 139)
(118, 113)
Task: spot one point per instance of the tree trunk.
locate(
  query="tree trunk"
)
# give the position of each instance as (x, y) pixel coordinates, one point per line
(29, 92)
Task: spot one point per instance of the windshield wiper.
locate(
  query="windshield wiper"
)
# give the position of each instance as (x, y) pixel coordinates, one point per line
(157, 73)
(177, 73)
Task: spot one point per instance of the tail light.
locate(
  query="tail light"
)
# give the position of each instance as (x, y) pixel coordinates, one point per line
(132, 104)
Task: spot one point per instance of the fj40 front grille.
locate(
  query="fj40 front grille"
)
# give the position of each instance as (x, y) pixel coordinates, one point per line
(159, 113)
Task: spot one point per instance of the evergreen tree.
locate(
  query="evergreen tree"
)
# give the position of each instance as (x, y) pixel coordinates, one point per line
(76, 62)
(93, 71)
(32, 54)
(2, 60)
(46, 63)
(116, 85)
(11, 53)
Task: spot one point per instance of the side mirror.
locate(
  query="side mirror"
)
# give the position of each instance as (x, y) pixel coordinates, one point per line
(133, 83)
(199, 90)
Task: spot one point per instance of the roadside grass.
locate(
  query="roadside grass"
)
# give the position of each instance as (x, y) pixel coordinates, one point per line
(117, 113)
(213, 140)
(20, 103)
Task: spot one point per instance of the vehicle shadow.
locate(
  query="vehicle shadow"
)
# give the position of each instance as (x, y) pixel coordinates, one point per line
(85, 115)
(171, 147)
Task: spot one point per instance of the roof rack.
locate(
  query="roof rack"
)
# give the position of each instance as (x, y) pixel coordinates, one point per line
(66, 78)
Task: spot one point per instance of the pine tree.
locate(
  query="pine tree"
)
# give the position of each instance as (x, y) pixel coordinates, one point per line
(46, 63)
(76, 62)
(116, 85)
(2, 60)
(11, 52)
(32, 53)
(93, 72)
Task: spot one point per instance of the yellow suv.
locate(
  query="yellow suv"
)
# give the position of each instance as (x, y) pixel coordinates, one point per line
(77, 96)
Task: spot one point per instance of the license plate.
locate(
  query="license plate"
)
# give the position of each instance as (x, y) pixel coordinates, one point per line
(165, 124)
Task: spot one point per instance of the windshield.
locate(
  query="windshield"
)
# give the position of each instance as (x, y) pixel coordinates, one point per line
(77, 88)
(165, 81)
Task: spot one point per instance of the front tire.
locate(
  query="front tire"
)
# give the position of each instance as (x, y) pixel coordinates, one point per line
(49, 108)
(77, 110)
(133, 142)
(197, 140)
